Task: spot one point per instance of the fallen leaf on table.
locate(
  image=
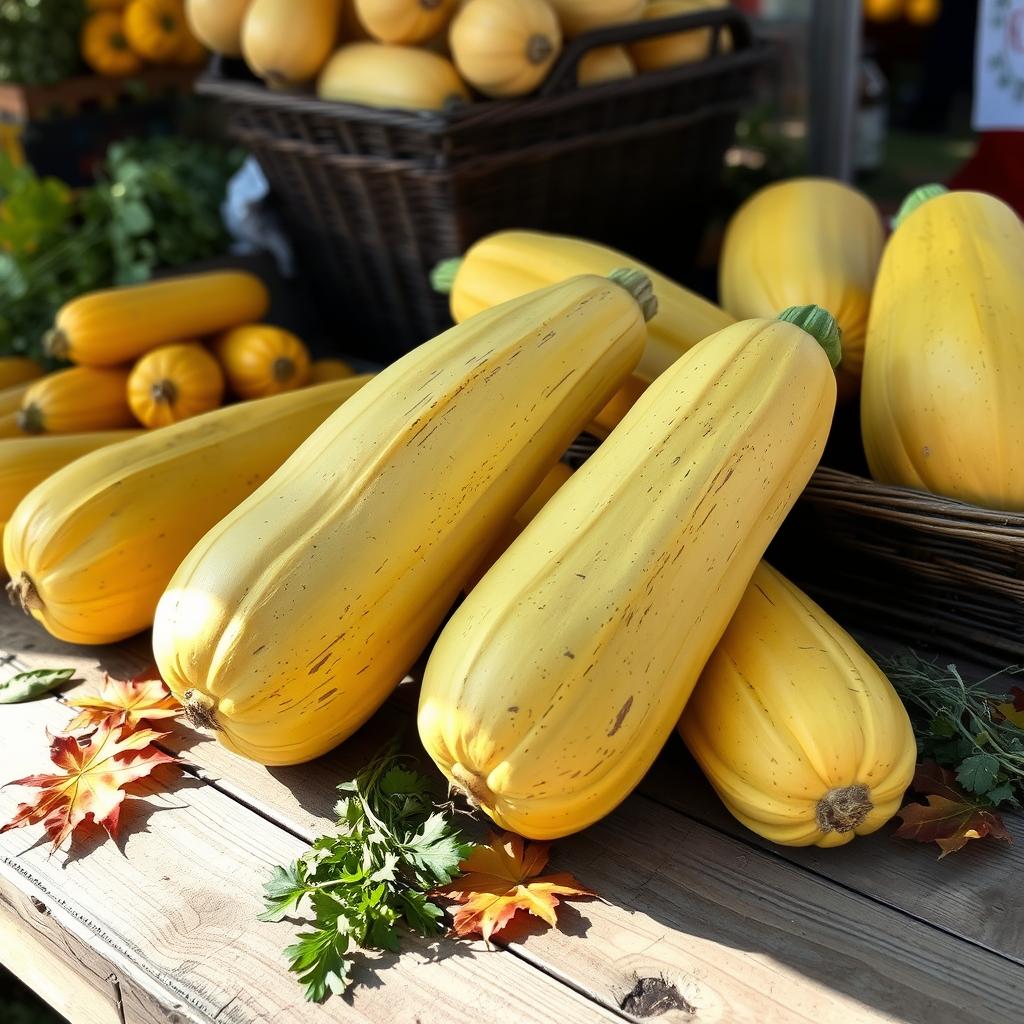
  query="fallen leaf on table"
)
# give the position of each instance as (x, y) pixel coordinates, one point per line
(94, 770)
(125, 702)
(503, 877)
(1014, 711)
(32, 684)
(949, 818)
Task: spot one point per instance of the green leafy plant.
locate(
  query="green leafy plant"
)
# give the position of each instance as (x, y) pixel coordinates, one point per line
(39, 40)
(374, 872)
(966, 727)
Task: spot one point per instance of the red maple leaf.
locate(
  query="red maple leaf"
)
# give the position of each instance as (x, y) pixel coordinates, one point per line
(95, 768)
(948, 818)
(125, 702)
(502, 878)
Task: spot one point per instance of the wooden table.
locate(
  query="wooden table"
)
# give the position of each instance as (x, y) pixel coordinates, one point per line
(162, 927)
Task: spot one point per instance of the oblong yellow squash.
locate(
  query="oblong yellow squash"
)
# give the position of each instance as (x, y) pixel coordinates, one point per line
(800, 733)
(261, 360)
(558, 680)
(287, 42)
(379, 75)
(768, 263)
(76, 400)
(91, 549)
(294, 618)
(323, 370)
(173, 383)
(10, 409)
(218, 23)
(403, 21)
(18, 370)
(942, 406)
(505, 47)
(605, 64)
(26, 462)
(676, 48)
(117, 325)
(511, 263)
(578, 16)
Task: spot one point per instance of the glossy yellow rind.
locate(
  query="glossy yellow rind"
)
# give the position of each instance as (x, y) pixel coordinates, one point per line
(801, 242)
(101, 538)
(553, 687)
(295, 617)
(942, 407)
(511, 263)
(790, 707)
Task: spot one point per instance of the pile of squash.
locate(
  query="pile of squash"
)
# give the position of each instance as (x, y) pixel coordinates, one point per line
(121, 37)
(297, 554)
(427, 54)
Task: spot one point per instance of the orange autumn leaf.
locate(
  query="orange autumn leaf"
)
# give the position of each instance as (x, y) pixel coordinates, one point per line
(949, 818)
(125, 702)
(503, 877)
(95, 768)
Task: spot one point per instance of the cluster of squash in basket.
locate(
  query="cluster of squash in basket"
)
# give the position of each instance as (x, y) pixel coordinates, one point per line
(297, 554)
(121, 37)
(427, 54)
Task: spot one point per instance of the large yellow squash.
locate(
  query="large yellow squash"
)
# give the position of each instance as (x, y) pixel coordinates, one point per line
(511, 263)
(26, 462)
(806, 240)
(91, 549)
(218, 23)
(942, 407)
(403, 21)
(287, 42)
(10, 409)
(76, 400)
(800, 733)
(117, 325)
(553, 687)
(294, 618)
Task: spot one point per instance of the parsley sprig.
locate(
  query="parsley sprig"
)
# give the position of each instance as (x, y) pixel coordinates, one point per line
(369, 876)
(959, 725)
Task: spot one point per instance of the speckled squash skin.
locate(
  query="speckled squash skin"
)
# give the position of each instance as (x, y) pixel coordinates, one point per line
(802, 736)
(555, 684)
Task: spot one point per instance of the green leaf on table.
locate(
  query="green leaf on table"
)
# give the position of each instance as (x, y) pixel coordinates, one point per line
(30, 685)
(283, 892)
(320, 959)
(977, 773)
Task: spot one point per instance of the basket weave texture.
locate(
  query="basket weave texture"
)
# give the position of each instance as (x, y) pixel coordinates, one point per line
(374, 199)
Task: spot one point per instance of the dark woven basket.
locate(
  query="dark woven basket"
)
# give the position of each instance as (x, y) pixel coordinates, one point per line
(374, 199)
(923, 569)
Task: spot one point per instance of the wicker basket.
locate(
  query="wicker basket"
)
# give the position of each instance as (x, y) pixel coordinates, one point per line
(923, 569)
(374, 199)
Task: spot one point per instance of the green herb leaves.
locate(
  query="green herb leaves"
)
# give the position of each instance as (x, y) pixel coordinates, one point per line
(30, 685)
(367, 877)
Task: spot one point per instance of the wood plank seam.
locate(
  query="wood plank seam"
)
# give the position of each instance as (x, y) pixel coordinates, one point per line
(72, 921)
(752, 844)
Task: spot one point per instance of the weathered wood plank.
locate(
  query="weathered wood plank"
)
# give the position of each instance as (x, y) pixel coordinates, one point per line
(72, 978)
(174, 913)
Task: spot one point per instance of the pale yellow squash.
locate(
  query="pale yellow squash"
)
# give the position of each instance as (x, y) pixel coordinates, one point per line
(675, 49)
(831, 260)
(218, 23)
(293, 619)
(287, 42)
(942, 407)
(578, 16)
(798, 730)
(558, 680)
(403, 21)
(605, 64)
(91, 549)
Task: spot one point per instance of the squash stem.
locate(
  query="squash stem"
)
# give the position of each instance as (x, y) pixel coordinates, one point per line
(539, 48)
(283, 369)
(165, 391)
(30, 419)
(200, 710)
(917, 198)
(844, 808)
(821, 325)
(442, 277)
(472, 786)
(23, 592)
(56, 344)
(639, 285)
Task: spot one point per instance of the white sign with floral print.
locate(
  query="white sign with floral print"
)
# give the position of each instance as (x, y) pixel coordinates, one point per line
(999, 70)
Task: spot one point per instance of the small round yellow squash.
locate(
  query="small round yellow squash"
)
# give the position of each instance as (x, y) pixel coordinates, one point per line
(155, 29)
(218, 23)
(381, 75)
(676, 48)
(173, 383)
(403, 21)
(260, 360)
(104, 45)
(605, 64)
(578, 16)
(324, 370)
(75, 401)
(505, 47)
